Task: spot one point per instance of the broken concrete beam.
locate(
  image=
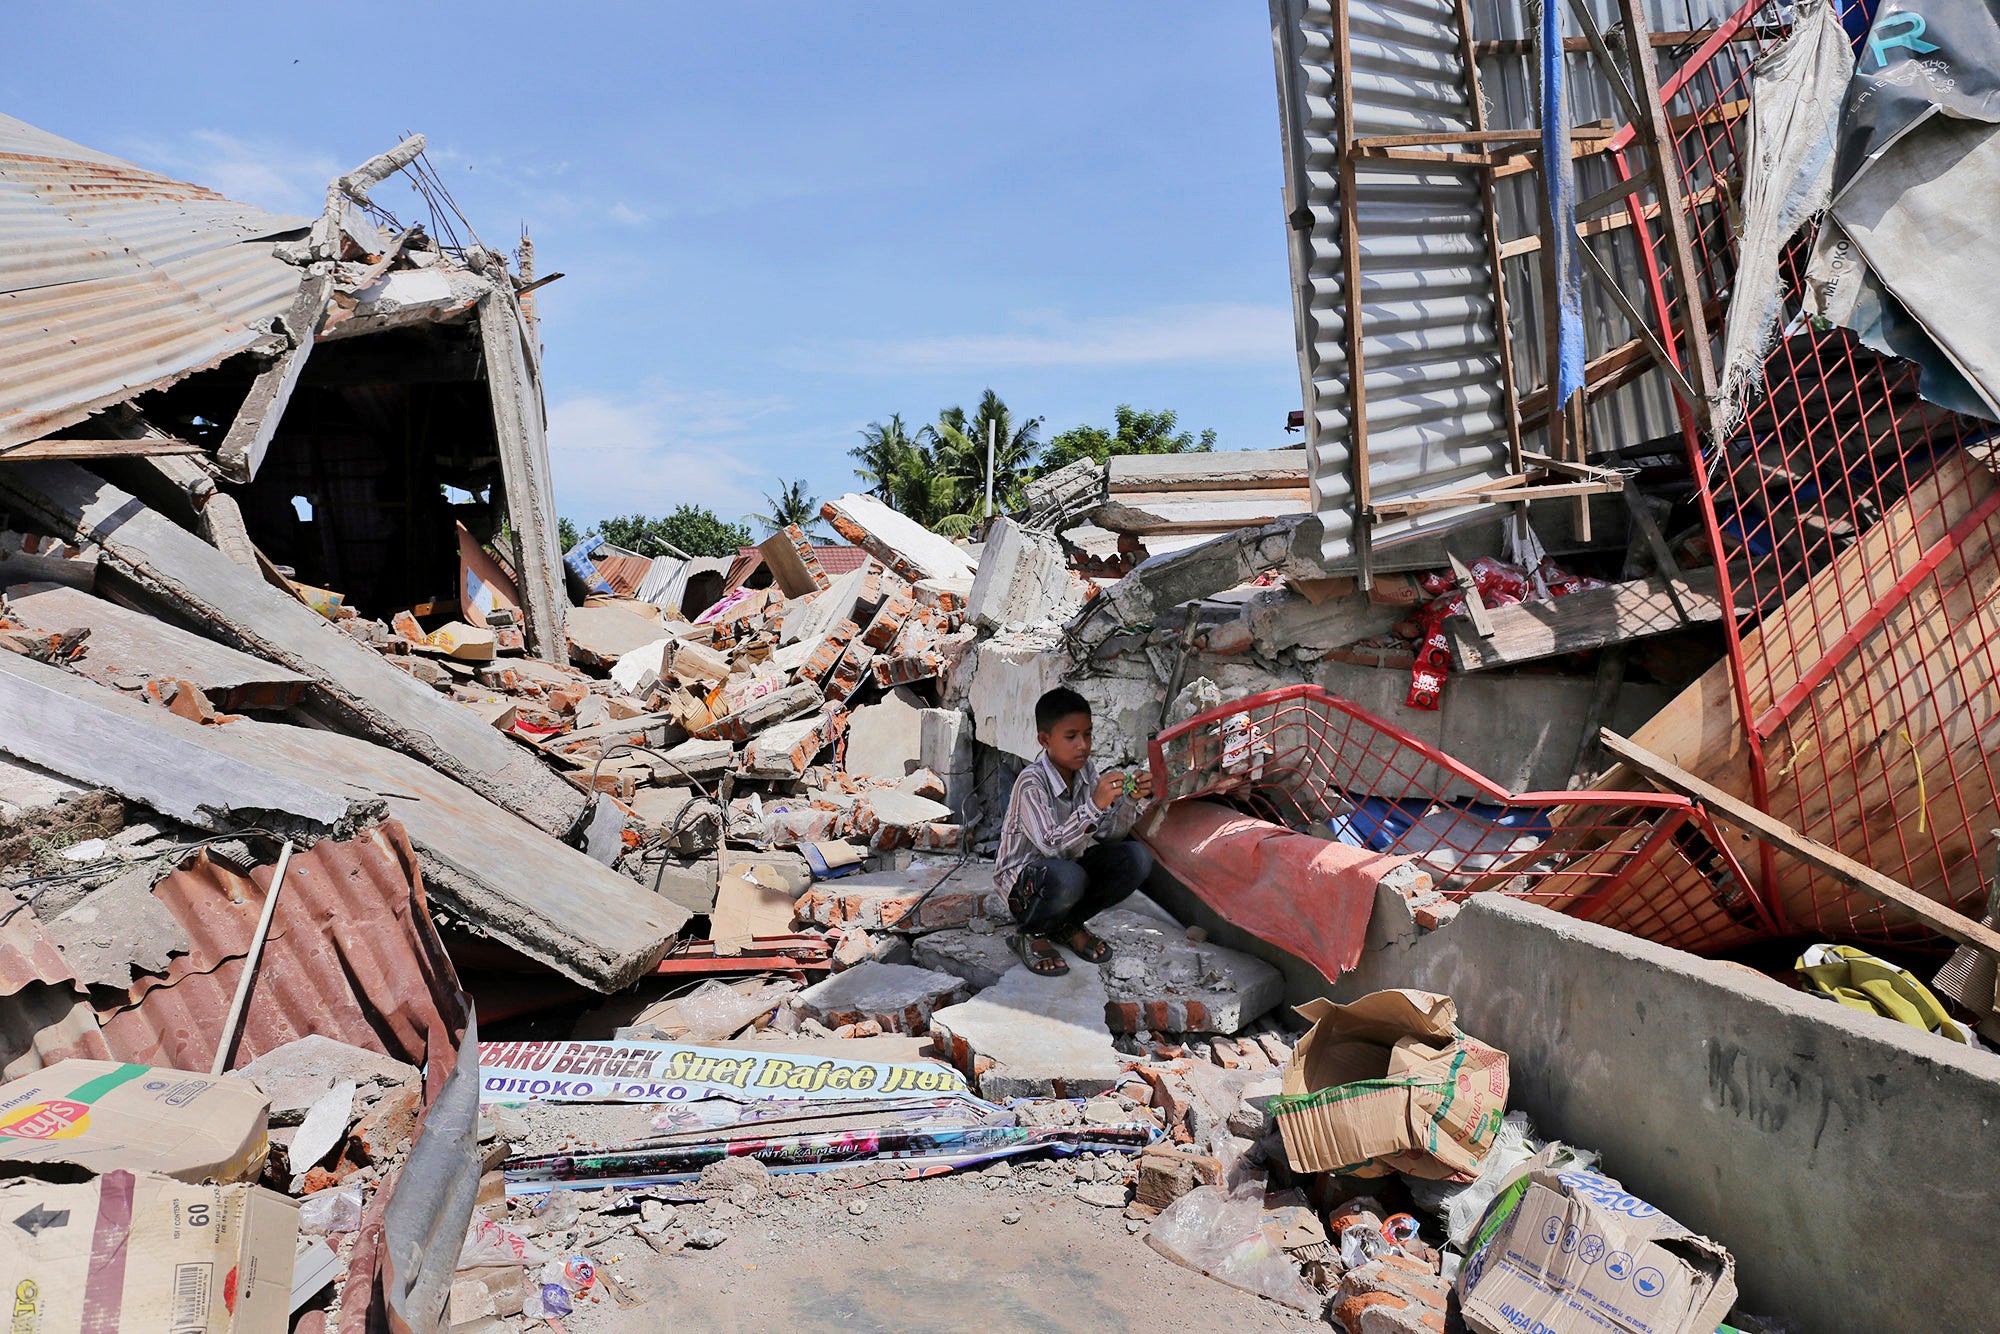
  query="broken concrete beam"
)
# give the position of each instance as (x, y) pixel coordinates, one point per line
(689, 663)
(154, 562)
(884, 740)
(506, 879)
(785, 750)
(1230, 470)
(899, 542)
(889, 819)
(927, 895)
(944, 747)
(1159, 981)
(518, 429)
(1146, 514)
(764, 711)
(1032, 1037)
(901, 669)
(982, 958)
(30, 558)
(788, 554)
(819, 614)
(899, 997)
(1012, 672)
(599, 636)
(1023, 580)
(1056, 501)
(126, 646)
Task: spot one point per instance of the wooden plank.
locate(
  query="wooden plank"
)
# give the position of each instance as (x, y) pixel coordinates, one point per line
(97, 449)
(1475, 606)
(1591, 207)
(1477, 135)
(1522, 46)
(1423, 157)
(1611, 222)
(1587, 620)
(1810, 851)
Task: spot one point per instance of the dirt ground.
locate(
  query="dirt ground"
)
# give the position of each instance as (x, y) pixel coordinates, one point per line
(921, 1255)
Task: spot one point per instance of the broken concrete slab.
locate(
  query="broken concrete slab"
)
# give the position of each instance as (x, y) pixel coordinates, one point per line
(698, 758)
(982, 958)
(1011, 672)
(1223, 470)
(126, 645)
(788, 554)
(519, 421)
(884, 740)
(886, 807)
(30, 558)
(809, 620)
(1057, 500)
(944, 747)
(298, 1074)
(928, 894)
(1029, 1036)
(899, 542)
(1159, 981)
(764, 711)
(154, 562)
(900, 997)
(117, 929)
(599, 636)
(1023, 579)
(503, 876)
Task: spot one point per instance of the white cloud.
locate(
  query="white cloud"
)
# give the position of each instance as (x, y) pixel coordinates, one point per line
(656, 450)
(1214, 334)
(285, 178)
(624, 213)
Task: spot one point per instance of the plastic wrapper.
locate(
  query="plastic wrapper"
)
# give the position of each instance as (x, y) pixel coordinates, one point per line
(331, 1211)
(1460, 1205)
(490, 1243)
(714, 1010)
(1221, 1235)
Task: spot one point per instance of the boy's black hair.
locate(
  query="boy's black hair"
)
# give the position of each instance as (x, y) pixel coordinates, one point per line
(1057, 705)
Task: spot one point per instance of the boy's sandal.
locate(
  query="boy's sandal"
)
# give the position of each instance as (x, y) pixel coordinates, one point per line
(1040, 954)
(1089, 947)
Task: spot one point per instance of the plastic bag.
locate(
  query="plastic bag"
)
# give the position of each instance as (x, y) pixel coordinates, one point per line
(1460, 1205)
(331, 1211)
(558, 1209)
(490, 1243)
(1222, 1236)
(715, 1010)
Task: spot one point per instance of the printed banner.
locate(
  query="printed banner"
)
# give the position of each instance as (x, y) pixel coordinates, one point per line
(672, 1073)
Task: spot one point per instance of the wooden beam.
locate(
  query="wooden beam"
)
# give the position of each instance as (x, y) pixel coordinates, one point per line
(1611, 222)
(96, 449)
(1591, 207)
(1426, 157)
(1522, 46)
(1810, 851)
(1477, 135)
(1475, 606)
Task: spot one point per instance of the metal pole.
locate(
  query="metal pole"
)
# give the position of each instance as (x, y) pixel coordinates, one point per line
(989, 469)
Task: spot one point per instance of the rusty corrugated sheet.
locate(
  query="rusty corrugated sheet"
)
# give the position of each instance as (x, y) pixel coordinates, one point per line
(44, 1015)
(351, 955)
(114, 280)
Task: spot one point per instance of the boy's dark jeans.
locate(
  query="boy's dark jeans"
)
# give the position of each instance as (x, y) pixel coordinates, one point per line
(1052, 893)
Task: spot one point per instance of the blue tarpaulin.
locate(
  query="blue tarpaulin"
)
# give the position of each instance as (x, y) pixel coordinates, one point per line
(1559, 179)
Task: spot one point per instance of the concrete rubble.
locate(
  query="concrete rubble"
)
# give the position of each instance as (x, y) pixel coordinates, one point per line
(603, 907)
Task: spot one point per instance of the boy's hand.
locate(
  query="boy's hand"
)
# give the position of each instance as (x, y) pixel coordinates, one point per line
(1142, 784)
(1109, 788)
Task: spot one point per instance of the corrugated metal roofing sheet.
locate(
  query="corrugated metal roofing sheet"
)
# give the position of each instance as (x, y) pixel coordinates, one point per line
(351, 955)
(44, 1015)
(114, 279)
(1436, 403)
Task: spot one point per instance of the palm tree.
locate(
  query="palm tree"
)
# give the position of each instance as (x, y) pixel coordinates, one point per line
(791, 505)
(961, 452)
(884, 452)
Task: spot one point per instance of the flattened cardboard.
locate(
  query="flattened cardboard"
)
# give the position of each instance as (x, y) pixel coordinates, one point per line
(1389, 1084)
(101, 1115)
(750, 901)
(1573, 1253)
(128, 1251)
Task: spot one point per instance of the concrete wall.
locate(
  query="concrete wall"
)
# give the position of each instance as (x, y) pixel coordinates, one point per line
(1847, 1161)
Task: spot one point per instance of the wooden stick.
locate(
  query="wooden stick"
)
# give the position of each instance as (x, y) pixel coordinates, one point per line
(226, 1042)
(1798, 846)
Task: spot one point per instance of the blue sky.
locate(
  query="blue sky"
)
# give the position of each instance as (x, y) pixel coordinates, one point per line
(778, 222)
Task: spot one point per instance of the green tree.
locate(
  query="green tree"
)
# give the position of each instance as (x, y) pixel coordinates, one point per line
(961, 454)
(567, 534)
(902, 470)
(694, 529)
(1135, 433)
(792, 504)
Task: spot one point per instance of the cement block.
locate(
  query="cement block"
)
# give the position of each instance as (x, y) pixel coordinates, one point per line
(1011, 672)
(1023, 579)
(600, 636)
(944, 747)
(885, 740)
(785, 750)
(697, 758)
(982, 958)
(901, 543)
(900, 997)
(1029, 1036)
(1160, 981)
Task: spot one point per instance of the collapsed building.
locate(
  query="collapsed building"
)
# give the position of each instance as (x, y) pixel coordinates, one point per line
(1539, 709)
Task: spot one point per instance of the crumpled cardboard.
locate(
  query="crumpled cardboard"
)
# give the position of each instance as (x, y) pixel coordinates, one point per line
(139, 1251)
(1571, 1252)
(1389, 1084)
(101, 1115)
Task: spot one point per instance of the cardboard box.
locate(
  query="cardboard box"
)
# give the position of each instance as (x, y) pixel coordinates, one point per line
(1573, 1253)
(141, 1251)
(101, 1115)
(1389, 1084)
